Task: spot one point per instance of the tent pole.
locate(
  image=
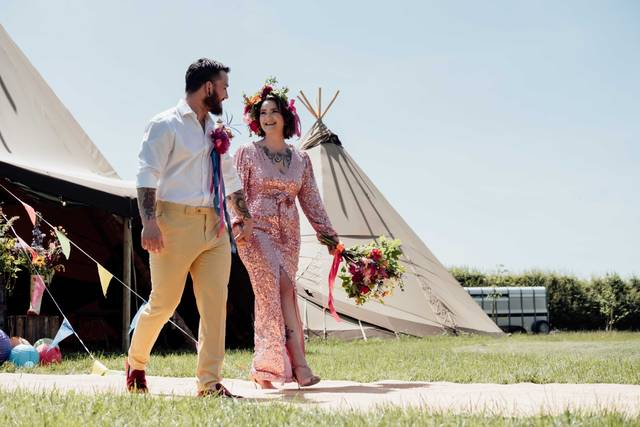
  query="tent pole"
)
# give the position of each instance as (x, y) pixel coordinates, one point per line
(126, 278)
(329, 106)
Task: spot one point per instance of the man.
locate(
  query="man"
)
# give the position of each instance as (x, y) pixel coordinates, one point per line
(181, 225)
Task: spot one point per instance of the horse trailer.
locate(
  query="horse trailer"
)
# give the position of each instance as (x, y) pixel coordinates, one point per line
(515, 309)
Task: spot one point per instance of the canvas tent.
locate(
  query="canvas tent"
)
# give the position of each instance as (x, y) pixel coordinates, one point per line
(433, 302)
(48, 159)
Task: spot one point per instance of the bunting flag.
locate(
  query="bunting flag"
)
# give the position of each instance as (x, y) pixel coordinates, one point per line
(134, 321)
(105, 278)
(26, 246)
(98, 369)
(64, 243)
(31, 212)
(64, 331)
(36, 294)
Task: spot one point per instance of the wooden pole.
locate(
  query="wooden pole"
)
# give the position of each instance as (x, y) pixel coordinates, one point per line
(330, 104)
(307, 105)
(319, 101)
(126, 278)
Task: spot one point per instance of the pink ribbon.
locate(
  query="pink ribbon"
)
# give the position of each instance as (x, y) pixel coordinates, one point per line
(337, 259)
(295, 116)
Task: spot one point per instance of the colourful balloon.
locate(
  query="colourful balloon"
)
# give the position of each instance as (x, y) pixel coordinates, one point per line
(5, 346)
(48, 354)
(42, 341)
(18, 340)
(24, 356)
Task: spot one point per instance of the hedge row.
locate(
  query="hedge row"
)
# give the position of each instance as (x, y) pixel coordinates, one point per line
(608, 302)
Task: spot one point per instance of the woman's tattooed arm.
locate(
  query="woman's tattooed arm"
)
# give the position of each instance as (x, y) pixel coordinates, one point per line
(239, 204)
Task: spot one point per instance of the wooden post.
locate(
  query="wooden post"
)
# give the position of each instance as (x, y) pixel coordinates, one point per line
(126, 278)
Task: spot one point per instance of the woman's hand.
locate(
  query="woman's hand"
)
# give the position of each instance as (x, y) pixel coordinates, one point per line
(242, 231)
(331, 242)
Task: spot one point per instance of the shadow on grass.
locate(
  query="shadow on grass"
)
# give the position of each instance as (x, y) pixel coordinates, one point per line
(298, 395)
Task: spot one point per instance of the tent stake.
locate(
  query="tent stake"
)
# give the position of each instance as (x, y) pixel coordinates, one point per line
(364, 336)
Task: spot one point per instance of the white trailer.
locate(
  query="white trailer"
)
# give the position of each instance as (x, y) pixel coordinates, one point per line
(515, 309)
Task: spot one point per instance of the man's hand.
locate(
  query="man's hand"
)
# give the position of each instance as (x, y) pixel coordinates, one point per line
(242, 231)
(151, 234)
(152, 237)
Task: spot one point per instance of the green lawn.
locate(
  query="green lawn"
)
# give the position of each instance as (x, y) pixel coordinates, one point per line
(560, 358)
(566, 357)
(54, 409)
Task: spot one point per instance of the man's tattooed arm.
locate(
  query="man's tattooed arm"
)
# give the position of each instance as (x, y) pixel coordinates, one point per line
(147, 203)
(239, 204)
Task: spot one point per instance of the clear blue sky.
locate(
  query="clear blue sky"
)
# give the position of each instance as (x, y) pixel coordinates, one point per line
(504, 132)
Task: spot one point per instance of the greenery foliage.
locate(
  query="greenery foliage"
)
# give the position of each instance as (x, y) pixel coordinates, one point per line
(609, 302)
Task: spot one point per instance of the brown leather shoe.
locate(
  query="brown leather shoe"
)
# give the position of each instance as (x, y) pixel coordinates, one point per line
(136, 380)
(218, 390)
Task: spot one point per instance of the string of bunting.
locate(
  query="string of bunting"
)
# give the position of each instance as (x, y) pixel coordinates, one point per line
(104, 275)
(65, 329)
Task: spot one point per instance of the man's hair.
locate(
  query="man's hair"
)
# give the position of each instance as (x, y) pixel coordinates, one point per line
(202, 71)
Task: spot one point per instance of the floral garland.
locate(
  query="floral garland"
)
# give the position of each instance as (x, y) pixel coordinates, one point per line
(251, 112)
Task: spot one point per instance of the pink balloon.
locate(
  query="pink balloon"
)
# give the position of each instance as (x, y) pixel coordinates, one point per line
(48, 354)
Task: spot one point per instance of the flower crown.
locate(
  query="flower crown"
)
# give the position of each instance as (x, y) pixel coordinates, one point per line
(251, 112)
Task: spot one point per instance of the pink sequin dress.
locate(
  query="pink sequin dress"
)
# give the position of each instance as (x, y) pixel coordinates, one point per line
(274, 246)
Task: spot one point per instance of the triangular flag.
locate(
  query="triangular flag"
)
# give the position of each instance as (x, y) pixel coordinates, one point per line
(64, 331)
(64, 243)
(98, 369)
(105, 279)
(26, 246)
(31, 212)
(38, 290)
(134, 321)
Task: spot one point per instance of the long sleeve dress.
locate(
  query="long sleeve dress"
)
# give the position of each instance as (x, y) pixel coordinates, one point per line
(274, 246)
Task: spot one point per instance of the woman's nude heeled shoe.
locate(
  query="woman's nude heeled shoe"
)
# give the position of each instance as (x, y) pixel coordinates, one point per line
(263, 385)
(305, 380)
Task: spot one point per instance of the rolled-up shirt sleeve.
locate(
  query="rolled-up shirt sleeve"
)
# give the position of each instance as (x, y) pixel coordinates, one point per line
(154, 154)
(232, 181)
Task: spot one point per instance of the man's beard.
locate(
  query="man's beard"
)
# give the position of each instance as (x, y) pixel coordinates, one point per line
(213, 104)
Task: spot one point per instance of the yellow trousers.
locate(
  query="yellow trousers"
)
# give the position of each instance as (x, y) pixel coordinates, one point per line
(191, 246)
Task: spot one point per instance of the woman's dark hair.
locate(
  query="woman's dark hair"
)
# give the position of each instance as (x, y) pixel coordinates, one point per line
(289, 120)
(202, 71)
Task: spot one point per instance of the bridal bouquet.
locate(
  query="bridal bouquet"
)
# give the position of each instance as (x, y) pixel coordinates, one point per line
(370, 271)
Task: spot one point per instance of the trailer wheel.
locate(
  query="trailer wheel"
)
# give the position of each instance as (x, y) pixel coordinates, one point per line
(541, 327)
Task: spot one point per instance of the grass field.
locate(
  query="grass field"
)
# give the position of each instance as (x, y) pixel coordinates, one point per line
(54, 409)
(559, 358)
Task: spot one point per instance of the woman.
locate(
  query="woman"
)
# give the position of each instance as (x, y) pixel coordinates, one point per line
(274, 173)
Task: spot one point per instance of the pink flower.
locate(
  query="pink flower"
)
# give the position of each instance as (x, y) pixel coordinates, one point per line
(220, 140)
(364, 290)
(254, 126)
(376, 254)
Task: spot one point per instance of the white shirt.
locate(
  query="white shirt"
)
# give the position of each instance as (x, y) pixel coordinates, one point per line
(175, 158)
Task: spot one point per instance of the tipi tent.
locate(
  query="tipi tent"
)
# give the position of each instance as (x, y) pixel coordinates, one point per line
(433, 302)
(41, 144)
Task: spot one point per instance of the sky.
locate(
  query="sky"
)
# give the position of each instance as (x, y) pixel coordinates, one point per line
(505, 133)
